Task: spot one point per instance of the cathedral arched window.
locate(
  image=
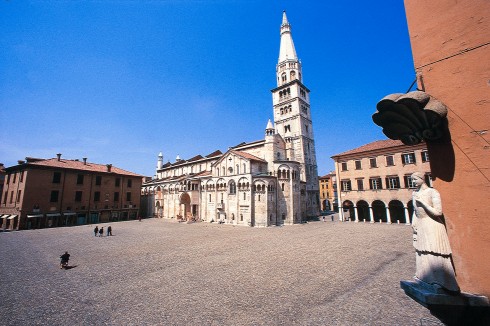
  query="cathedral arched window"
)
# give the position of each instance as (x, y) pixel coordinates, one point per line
(232, 187)
(292, 75)
(283, 77)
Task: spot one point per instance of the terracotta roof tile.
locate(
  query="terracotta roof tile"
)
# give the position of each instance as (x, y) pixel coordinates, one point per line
(379, 144)
(79, 165)
(249, 156)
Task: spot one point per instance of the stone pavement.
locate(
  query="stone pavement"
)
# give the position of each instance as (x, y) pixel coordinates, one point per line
(158, 272)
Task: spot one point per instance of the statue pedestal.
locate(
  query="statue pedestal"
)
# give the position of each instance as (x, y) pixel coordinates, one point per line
(451, 309)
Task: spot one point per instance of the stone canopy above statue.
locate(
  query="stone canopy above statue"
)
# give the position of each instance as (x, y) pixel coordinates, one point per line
(412, 117)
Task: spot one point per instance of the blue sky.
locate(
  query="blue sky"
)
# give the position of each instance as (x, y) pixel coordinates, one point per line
(120, 81)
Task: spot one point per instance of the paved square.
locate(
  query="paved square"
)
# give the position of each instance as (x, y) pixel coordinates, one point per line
(157, 272)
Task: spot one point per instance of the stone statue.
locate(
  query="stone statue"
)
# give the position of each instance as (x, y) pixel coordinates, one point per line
(433, 252)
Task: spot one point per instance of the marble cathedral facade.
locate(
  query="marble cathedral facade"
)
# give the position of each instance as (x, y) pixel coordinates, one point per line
(272, 181)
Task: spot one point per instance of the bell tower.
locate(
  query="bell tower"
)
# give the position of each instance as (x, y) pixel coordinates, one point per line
(292, 118)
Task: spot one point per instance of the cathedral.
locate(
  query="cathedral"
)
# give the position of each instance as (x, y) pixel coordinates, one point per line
(272, 181)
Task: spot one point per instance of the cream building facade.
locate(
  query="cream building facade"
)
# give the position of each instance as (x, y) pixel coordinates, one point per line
(272, 181)
(374, 181)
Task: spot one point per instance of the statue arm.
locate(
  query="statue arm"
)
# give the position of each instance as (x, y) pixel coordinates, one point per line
(436, 209)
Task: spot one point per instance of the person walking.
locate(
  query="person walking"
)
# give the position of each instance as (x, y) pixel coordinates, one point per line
(109, 230)
(96, 230)
(101, 232)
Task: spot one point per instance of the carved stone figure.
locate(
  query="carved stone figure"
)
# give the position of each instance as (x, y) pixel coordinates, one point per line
(433, 252)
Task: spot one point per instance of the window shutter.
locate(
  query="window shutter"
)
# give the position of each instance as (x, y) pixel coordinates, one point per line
(380, 184)
(397, 182)
(403, 159)
(405, 179)
(387, 183)
(414, 160)
(427, 179)
(371, 184)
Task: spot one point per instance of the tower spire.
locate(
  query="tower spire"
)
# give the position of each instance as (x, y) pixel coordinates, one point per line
(286, 51)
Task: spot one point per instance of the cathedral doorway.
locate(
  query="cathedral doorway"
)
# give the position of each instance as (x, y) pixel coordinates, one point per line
(185, 205)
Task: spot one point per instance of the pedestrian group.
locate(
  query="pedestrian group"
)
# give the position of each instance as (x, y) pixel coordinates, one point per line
(100, 231)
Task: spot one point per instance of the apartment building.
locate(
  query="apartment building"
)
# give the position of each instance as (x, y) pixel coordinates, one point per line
(40, 193)
(375, 183)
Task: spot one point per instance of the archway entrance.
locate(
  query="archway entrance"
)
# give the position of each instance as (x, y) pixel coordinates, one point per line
(379, 211)
(185, 205)
(363, 211)
(348, 208)
(397, 212)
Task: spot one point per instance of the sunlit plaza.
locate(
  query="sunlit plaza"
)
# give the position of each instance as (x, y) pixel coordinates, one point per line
(159, 272)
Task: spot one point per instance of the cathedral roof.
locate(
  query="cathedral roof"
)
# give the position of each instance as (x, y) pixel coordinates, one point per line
(215, 153)
(249, 156)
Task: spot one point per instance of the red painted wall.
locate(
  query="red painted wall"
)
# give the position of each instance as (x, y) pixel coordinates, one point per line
(451, 50)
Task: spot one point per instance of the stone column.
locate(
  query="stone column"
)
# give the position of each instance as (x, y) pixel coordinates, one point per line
(388, 216)
(407, 217)
(371, 217)
(355, 214)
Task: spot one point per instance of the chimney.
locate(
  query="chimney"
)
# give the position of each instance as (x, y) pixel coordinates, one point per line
(109, 166)
(59, 156)
(20, 162)
(84, 161)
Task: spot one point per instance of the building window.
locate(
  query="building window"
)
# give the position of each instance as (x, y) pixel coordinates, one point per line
(375, 184)
(428, 180)
(78, 196)
(358, 165)
(118, 182)
(287, 128)
(282, 186)
(360, 184)
(346, 185)
(128, 196)
(232, 187)
(56, 177)
(5, 198)
(116, 196)
(19, 193)
(372, 162)
(11, 197)
(409, 182)
(97, 196)
(244, 196)
(21, 176)
(389, 160)
(393, 182)
(408, 158)
(343, 166)
(80, 179)
(425, 156)
(209, 197)
(15, 178)
(130, 183)
(54, 196)
(241, 217)
(98, 180)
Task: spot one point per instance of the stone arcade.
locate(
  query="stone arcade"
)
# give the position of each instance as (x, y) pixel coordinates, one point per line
(273, 181)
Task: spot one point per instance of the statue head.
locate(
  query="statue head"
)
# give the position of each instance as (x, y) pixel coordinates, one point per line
(418, 178)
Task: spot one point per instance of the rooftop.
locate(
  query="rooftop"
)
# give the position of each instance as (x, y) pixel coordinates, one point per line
(377, 145)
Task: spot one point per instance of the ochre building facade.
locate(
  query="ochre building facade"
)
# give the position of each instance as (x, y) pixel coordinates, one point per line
(374, 181)
(41, 193)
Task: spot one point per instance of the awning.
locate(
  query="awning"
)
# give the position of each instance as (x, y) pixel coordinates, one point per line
(12, 217)
(4, 216)
(53, 215)
(37, 215)
(69, 214)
